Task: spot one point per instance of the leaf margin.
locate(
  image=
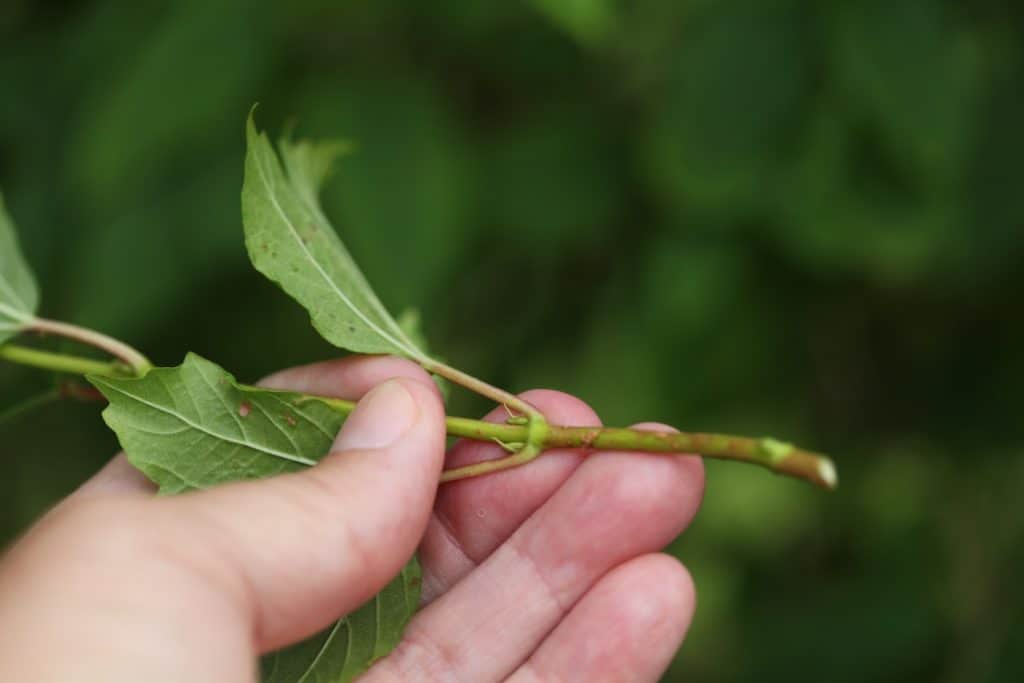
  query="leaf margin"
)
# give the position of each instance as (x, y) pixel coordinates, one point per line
(295, 177)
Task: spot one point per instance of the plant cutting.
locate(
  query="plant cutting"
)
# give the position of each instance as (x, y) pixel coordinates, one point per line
(194, 426)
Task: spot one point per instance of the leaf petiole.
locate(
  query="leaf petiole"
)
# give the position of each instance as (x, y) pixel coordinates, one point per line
(138, 363)
(509, 400)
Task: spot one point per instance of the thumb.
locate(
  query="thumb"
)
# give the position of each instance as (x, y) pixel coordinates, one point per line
(304, 549)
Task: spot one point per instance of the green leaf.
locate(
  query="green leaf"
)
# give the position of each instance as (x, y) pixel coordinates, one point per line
(291, 242)
(193, 427)
(19, 296)
(589, 21)
(347, 649)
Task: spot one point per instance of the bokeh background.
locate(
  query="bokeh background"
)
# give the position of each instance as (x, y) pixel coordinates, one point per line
(780, 217)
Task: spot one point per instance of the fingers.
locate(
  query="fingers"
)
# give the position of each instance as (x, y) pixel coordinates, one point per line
(347, 378)
(614, 507)
(298, 551)
(117, 478)
(474, 516)
(626, 628)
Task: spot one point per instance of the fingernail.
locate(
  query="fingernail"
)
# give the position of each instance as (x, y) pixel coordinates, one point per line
(380, 419)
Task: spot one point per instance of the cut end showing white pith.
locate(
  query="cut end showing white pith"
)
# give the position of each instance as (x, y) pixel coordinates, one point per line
(827, 472)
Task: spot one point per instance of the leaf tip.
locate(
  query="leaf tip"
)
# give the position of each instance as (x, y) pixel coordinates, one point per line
(252, 134)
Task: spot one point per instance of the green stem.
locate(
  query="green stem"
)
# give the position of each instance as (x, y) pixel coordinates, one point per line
(777, 456)
(60, 362)
(536, 436)
(139, 364)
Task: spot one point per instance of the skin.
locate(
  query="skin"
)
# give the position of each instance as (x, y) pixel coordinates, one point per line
(546, 572)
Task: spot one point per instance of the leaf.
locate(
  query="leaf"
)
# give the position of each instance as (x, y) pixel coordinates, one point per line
(291, 242)
(349, 648)
(193, 427)
(589, 21)
(19, 295)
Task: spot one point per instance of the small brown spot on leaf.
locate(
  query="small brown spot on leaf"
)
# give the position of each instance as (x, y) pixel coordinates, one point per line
(244, 409)
(290, 419)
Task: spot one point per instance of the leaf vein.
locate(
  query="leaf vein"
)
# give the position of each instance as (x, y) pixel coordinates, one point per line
(323, 274)
(323, 430)
(322, 650)
(290, 438)
(223, 401)
(202, 428)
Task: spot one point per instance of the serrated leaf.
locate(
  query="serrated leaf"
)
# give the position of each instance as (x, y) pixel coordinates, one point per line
(291, 242)
(19, 296)
(193, 427)
(408, 247)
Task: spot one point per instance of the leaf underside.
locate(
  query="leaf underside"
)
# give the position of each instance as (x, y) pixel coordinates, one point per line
(193, 426)
(19, 295)
(291, 242)
(347, 649)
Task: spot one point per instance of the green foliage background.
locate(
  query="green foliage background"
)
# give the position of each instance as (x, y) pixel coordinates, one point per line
(761, 216)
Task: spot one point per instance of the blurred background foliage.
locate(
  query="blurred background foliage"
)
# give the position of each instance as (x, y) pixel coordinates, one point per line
(761, 216)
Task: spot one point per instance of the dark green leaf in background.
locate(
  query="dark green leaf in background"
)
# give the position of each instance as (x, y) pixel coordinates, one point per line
(588, 21)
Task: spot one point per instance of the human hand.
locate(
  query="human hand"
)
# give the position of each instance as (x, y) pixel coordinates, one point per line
(549, 571)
